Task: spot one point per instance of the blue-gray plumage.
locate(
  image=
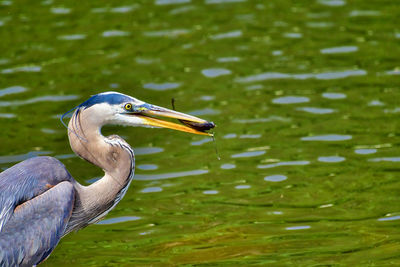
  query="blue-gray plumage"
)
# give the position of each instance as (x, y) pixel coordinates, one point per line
(39, 200)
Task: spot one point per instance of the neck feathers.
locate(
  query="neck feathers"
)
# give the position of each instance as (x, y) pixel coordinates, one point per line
(113, 155)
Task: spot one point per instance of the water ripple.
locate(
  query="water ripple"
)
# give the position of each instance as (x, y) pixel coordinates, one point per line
(21, 157)
(365, 151)
(151, 189)
(7, 115)
(204, 111)
(119, 220)
(389, 218)
(147, 167)
(249, 154)
(151, 177)
(225, 35)
(167, 33)
(115, 33)
(327, 137)
(210, 192)
(290, 100)
(200, 142)
(333, 3)
(275, 178)
(12, 90)
(302, 76)
(48, 98)
(334, 95)
(171, 2)
(316, 110)
(60, 10)
(208, 2)
(300, 227)
(261, 120)
(339, 49)
(228, 166)
(161, 86)
(331, 159)
(215, 72)
(284, 163)
(228, 59)
(389, 159)
(30, 68)
(147, 150)
(72, 37)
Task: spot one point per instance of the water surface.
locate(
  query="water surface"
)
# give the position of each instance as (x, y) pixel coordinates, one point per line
(305, 98)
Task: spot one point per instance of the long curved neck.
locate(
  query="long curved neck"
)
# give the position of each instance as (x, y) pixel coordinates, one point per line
(113, 155)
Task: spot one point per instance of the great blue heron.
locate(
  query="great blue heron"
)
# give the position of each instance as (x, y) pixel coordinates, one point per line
(40, 202)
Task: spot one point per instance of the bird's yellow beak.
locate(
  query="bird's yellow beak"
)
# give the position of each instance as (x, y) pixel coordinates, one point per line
(189, 124)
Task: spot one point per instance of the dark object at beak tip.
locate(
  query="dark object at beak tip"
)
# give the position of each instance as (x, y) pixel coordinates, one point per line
(199, 126)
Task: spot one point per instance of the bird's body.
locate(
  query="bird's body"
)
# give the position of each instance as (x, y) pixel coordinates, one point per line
(40, 202)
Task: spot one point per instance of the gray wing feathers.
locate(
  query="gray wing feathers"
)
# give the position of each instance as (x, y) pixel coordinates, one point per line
(36, 226)
(27, 180)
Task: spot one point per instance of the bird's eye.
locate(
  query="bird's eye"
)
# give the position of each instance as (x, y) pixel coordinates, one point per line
(128, 106)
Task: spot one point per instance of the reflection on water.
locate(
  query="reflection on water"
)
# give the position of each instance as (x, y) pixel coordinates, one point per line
(171, 2)
(12, 90)
(290, 100)
(21, 157)
(243, 186)
(301, 76)
(147, 150)
(327, 137)
(72, 37)
(210, 192)
(305, 97)
(200, 142)
(153, 189)
(232, 34)
(30, 68)
(115, 33)
(316, 110)
(161, 86)
(300, 227)
(334, 95)
(215, 72)
(284, 163)
(150, 177)
(339, 49)
(167, 33)
(275, 178)
(228, 166)
(365, 151)
(331, 159)
(389, 159)
(147, 167)
(248, 154)
(48, 98)
(118, 220)
(389, 218)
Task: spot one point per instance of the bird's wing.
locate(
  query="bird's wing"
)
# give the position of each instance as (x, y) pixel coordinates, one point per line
(36, 226)
(26, 180)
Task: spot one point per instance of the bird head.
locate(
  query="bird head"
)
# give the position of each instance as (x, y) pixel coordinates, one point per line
(120, 109)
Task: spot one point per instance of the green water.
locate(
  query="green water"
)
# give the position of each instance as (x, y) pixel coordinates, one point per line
(305, 96)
